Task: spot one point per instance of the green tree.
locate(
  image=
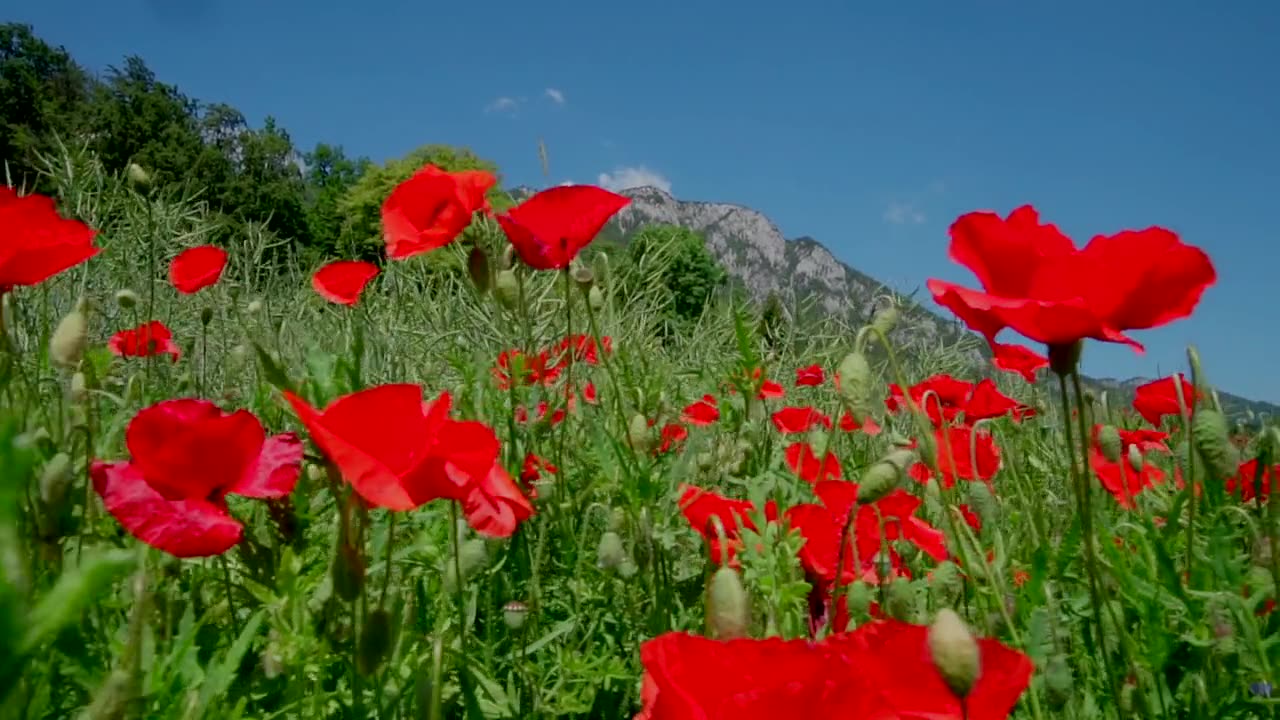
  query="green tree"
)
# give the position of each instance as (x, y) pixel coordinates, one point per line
(687, 269)
(329, 175)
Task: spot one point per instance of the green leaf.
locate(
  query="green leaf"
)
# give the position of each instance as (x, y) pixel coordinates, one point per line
(75, 590)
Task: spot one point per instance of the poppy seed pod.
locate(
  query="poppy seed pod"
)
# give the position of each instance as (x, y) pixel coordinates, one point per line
(506, 288)
(728, 605)
(877, 481)
(638, 434)
(1213, 442)
(581, 274)
(955, 652)
(67, 345)
(478, 269)
(1109, 443)
(126, 299)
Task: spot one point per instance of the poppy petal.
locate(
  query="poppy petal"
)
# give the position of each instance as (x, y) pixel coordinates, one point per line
(275, 471)
(183, 528)
(188, 448)
(197, 268)
(342, 281)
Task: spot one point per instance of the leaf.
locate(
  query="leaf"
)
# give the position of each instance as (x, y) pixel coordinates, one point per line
(75, 590)
(272, 370)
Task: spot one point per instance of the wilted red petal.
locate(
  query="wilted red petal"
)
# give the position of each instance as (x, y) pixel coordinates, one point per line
(192, 527)
(38, 243)
(197, 268)
(342, 281)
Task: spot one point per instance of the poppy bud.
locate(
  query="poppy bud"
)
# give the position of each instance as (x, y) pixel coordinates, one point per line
(1135, 458)
(581, 274)
(206, 316)
(1109, 443)
(254, 307)
(982, 500)
(1262, 552)
(855, 381)
(514, 614)
(955, 652)
(945, 583)
(126, 299)
(1058, 682)
(1063, 359)
(885, 319)
(508, 257)
(728, 606)
(348, 572)
(375, 641)
(66, 347)
(137, 177)
(272, 656)
(705, 460)
(877, 481)
(77, 392)
(595, 298)
(600, 268)
(55, 481)
(901, 600)
(901, 458)
(1213, 442)
(638, 434)
(506, 288)
(858, 601)
(478, 269)
(610, 553)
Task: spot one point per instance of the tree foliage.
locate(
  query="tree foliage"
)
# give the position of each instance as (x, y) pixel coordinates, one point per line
(684, 267)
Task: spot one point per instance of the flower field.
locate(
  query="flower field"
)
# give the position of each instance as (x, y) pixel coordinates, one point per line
(234, 487)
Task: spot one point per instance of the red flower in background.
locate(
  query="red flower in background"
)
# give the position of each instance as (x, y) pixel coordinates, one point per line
(187, 455)
(1247, 480)
(1037, 283)
(520, 368)
(673, 434)
(943, 397)
(811, 376)
(550, 228)
(432, 208)
(791, 420)
(703, 412)
(868, 426)
(1018, 359)
(197, 268)
(399, 453)
(148, 339)
(1159, 398)
(1121, 478)
(882, 670)
(342, 281)
(36, 242)
(1145, 440)
(804, 462)
(963, 453)
(718, 518)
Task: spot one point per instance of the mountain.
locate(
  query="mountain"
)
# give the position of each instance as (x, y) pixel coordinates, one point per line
(755, 253)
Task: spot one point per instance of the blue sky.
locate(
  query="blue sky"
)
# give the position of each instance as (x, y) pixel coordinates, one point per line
(867, 125)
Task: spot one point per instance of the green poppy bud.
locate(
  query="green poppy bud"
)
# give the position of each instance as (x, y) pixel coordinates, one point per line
(507, 288)
(66, 346)
(877, 481)
(478, 269)
(1109, 443)
(955, 652)
(728, 605)
(376, 639)
(610, 553)
(1213, 442)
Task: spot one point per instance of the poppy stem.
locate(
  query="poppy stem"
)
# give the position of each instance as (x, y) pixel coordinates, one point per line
(464, 678)
(386, 576)
(231, 602)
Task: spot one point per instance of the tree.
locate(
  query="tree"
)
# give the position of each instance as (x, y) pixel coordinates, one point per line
(688, 271)
(329, 175)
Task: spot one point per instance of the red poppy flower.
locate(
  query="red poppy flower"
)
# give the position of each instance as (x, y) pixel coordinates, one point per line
(523, 369)
(1144, 439)
(533, 468)
(868, 426)
(148, 339)
(187, 456)
(580, 348)
(36, 242)
(342, 281)
(550, 228)
(432, 208)
(1247, 480)
(703, 412)
(715, 517)
(589, 394)
(197, 268)
(1037, 283)
(963, 453)
(1018, 359)
(790, 420)
(804, 462)
(811, 376)
(398, 453)
(943, 397)
(1158, 398)
(672, 435)
(1122, 479)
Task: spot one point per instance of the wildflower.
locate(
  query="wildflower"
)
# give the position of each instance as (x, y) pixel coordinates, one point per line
(811, 376)
(146, 340)
(703, 412)
(432, 208)
(37, 242)
(197, 268)
(550, 228)
(342, 281)
(791, 420)
(1018, 359)
(1159, 398)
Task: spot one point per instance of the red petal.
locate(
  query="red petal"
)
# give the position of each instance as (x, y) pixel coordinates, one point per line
(431, 208)
(182, 528)
(276, 470)
(550, 228)
(342, 281)
(1145, 278)
(38, 242)
(1005, 255)
(197, 268)
(495, 506)
(190, 448)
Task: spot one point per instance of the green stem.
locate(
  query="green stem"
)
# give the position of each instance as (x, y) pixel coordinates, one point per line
(231, 602)
(464, 678)
(386, 576)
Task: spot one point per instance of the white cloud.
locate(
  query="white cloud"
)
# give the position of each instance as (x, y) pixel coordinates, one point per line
(624, 178)
(903, 213)
(502, 104)
(557, 96)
